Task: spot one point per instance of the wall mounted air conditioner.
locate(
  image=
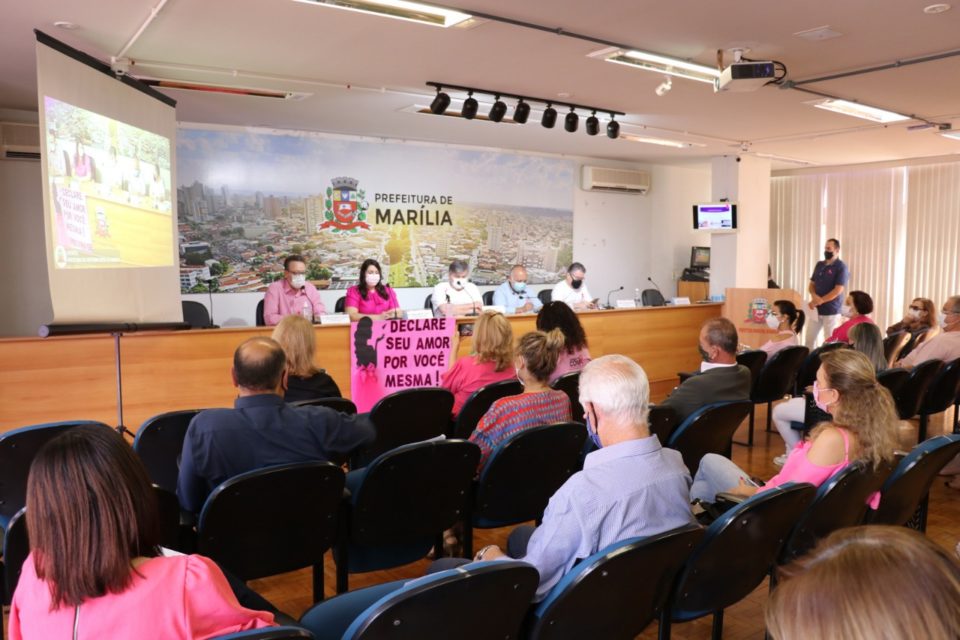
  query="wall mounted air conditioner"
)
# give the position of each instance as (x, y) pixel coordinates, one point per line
(615, 180)
(19, 152)
(19, 141)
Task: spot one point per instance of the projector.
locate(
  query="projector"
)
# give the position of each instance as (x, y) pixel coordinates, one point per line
(745, 76)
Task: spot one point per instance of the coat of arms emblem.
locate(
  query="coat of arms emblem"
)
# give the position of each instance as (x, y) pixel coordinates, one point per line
(346, 208)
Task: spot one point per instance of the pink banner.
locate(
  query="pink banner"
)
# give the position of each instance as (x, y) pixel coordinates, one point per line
(390, 355)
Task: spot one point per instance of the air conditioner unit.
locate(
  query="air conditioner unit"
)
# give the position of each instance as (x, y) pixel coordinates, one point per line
(615, 180)
(19, 152)
(19, 141)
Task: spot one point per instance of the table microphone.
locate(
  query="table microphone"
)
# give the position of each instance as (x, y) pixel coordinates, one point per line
(620, 288)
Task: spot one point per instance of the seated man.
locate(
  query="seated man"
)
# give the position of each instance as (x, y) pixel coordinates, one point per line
(457, 296)
(513, 296)
(572, 290)
(946, 346)
(261, 430)
(292, 295)
(720, 378)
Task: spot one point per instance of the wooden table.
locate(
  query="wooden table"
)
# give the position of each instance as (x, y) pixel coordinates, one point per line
(74, 377)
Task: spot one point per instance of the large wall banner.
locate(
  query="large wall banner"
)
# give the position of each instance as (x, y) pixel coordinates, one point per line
(247, 199)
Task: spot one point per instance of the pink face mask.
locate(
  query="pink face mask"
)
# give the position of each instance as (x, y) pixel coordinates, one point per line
(816, 397)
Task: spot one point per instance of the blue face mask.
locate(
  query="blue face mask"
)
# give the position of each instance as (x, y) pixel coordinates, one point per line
(519, 286)
(594, 435)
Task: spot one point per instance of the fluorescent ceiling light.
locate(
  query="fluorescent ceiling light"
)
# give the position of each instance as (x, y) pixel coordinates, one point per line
(858, 110)
(663, 64)
(399, 9)
(663, 142)
(953, 135)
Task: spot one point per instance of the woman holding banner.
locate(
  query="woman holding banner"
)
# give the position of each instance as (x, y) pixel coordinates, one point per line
(371, 297)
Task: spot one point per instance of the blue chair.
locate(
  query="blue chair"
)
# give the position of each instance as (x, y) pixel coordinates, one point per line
(709, 429)
(616, 592)
(807, 372)
(410, 415)
(479, 402)
(337, 404)
(269, 633)
(158, 443)
(662, 421)
(775, 380)
(940, 395)
(569, 383)
(906, 492)
(478, 601)
(734, 557)
(16, 547)
(910, 395)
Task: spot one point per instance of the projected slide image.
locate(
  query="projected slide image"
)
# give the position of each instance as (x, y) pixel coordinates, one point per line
(110, 191)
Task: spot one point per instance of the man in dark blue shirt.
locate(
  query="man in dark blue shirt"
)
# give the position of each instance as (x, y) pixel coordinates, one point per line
(261, 430)
(826, 293)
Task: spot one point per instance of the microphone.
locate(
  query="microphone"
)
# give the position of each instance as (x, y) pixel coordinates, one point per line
(656, 286)
(620, 288)
(473, 309)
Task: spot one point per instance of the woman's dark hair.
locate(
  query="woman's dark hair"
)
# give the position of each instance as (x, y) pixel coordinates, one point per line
(796, 316)
(540, 352)
(381, 289)
(862, 302)
(558, 315)
(90, 512)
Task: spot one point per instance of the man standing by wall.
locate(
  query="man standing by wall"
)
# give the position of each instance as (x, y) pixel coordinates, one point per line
(826, 288)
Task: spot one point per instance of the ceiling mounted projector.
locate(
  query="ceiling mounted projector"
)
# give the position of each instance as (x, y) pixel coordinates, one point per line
(745, 76)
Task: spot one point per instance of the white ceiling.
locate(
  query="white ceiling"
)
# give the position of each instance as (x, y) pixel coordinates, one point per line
(385, 64)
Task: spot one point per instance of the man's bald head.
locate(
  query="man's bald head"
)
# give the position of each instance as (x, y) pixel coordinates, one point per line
(519, 272)
(258, 365)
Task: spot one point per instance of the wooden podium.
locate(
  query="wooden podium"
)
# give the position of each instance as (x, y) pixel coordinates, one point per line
(747, 309)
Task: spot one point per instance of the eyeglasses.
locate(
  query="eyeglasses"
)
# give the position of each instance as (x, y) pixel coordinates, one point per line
(913, 308)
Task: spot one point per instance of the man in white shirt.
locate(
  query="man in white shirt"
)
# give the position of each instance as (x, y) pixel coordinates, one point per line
(457, 296)
(572, 290)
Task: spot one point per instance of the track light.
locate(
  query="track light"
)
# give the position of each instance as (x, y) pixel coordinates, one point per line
(593, 125)
(498, 110)
(440, 103)
(521, 113)
(549, 117)
(469, 110)
(664, 87)
(613, 128)
(572, 121)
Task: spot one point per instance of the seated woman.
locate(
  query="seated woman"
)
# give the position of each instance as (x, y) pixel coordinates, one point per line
(305, 381)
(788, 321)
(865, 338)
(920, 322)
(371, 296)
(536, 357)
(95, 569)
(854, 584)
(575, 355)
(864, 427)
(855, 309)
(491, 360)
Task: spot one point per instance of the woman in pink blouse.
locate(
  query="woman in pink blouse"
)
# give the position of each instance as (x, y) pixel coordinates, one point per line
(855, 309)
(491, 360)
(574, 356)
(371, 296)
(788, 321)
(95, 569)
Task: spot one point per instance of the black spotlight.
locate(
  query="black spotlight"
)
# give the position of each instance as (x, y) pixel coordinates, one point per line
(613, 128)
(498, 110)
(549, 117)
(440, 103)
(470, 106)
(593, 125)
(521, 113)
(572, 121)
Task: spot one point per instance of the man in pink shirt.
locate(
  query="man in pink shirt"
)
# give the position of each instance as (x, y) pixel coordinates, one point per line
(293, 295)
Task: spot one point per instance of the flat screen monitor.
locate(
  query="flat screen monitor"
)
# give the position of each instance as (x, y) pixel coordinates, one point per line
(699, 257)
(716, 217)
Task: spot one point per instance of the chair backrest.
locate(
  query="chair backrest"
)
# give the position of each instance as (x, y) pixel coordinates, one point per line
(662, 422)
(340, 305)
(428, 303)
(602, 597)
(893, 379)
(894, 344)
(737, 551)
(911, 480)
(652, 298)
(807, 372)
(195, 314)
(754, 360)
(410, 415)
(451, 604)
(911, 393)
(840, 502)
(943, 390)
(545, 295)
(539, 460)
(268, 633)
(479, 402)
(709, 429)
(259, 315)
(17, 450)
(413, 491)
(337, 404)
(778, 374)
(16, 548)
(487, 297)
(159, 441)
(169, 507)
(569, 383)
(272, 520)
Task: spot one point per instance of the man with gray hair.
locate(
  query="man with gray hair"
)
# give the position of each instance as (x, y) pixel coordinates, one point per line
(457, 296)
(631, 486)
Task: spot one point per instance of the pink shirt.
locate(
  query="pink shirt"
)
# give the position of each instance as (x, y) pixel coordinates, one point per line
(570, 361)
(181, 597)
(945, 346)
(467, 375)
(374, 304)
(842, 333)
(283, 300)
(773, 346)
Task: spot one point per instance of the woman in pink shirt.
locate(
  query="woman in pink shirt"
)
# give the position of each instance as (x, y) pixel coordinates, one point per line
(95, 569)
(855, 309)
(575, 355)
(788, 321)
(371, 296)
(491, 360)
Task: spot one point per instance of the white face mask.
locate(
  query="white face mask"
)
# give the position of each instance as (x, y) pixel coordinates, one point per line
(943, 321)
(773, 322)
(372, 279)
(458, 283)
(913, 313)
(298, 281)
(846, 311)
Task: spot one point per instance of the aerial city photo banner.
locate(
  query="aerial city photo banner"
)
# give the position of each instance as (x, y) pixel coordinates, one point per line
(248, 198)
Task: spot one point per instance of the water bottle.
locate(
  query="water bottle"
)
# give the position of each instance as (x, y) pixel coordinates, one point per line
(307, 311)
(636, 298)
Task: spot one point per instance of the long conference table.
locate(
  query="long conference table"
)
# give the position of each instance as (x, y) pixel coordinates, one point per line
(75, 377)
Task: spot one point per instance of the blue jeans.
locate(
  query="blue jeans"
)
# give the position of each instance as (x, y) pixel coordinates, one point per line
(716, 474)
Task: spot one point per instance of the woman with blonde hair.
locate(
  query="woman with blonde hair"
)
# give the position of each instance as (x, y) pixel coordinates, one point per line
(866, 338)
(305, 381)
(490, 361)
(864, 427)
(868, 583)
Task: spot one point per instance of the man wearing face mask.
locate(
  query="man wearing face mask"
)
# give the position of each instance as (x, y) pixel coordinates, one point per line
(457, 296)
(292, 295)
(513, 296)
(572, 290)
(826, 293)
(720, 378)
(946, 346)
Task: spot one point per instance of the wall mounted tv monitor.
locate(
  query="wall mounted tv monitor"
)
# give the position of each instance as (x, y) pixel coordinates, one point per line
(717, 217)
(699, 257)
